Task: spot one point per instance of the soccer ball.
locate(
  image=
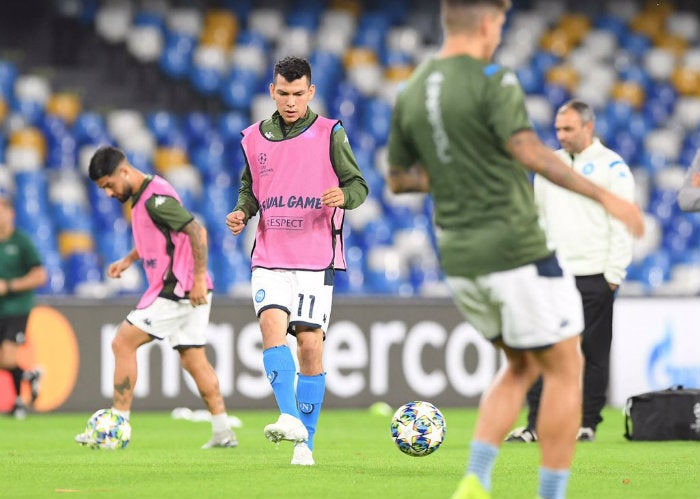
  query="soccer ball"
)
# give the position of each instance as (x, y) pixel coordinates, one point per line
(418, 428)
(108, 430)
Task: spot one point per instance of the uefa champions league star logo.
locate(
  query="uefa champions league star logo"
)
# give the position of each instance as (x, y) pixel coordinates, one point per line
(262, 159)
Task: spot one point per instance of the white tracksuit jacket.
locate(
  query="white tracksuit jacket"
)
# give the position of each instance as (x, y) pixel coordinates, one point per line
(585, 237)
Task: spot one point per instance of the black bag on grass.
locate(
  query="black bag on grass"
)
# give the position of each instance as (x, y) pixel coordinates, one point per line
(671, 414)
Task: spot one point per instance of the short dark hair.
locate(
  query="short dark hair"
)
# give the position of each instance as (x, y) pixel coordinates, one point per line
(584, 110)
(103, 163)
(292, 68)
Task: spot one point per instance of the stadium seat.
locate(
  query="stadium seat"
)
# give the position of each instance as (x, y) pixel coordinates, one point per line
(251, 57)
(169, 158)
(298, 41)
(376, 119)
(176, 57)
(162, 124)
(84, 275)
(56, 282)
(89, 127)
(231, 124)
(72, 241)
(239, 87)
(268, 22)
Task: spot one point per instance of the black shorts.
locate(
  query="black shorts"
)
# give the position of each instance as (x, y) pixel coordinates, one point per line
(13, 328)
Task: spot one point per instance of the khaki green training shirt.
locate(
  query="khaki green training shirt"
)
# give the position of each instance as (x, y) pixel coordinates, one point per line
(454, 117)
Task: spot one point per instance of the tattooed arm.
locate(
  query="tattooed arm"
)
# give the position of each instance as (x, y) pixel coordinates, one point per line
(198, 241)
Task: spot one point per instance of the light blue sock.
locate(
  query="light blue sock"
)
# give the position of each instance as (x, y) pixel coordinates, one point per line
(280, 369)
(480, 463)
(553, 483)
(310, 391)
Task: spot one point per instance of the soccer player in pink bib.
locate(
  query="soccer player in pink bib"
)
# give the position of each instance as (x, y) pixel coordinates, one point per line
(300, 176)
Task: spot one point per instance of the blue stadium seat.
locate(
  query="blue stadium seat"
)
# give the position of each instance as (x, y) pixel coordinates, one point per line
(626, 145)
(656, 269)
(176, 59)
(614, 24)
(115, 242)
(637, 74)
(89, 127)
(376, 119)
(239, 87)
(140, 160)
(81, 268)
(31, 195)
(250, 37)
(162, 124)
(307, 18)
(31, 111)
(663, 206)
(556, 94)
(653, 163)
(677, 246)
(209, 158)
(640, 125)
(8, 75)
(347, 106)
(105, 210)
(197, 126)
(619, 113)
(542, 61)
(664, 92)
(377, 232)
(530, 79)
(206, 81)
(56, 283)
(371, 32)
(327, 73)
(656, 112)
(149, 18)
(71, 217)
(231, 124)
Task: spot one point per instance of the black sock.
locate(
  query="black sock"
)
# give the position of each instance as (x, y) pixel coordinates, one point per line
(17, 373)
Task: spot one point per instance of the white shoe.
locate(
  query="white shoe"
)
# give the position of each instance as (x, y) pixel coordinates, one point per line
(82, 438)
(302, 455)
(287, 427)
(522, 434)
(225, 439)
(586, 434)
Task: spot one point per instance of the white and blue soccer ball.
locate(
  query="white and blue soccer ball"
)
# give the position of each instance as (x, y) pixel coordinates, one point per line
(108, 430)
(418, 428)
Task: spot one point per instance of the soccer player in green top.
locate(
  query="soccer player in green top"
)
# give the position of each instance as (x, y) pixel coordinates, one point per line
(21, 272)
(460, 131)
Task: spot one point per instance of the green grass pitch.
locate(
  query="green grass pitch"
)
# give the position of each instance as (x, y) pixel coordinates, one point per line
(354, 454)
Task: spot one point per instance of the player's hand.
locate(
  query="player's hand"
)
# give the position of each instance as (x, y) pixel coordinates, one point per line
(198, 293)
(628, 213)
(333, 197)
(235, 221)
(116, 268)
